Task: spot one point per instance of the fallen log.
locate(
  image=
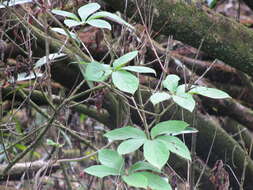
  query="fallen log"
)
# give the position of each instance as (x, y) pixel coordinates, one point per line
(222, 37)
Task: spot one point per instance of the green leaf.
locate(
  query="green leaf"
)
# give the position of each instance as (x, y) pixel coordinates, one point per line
(72, 23)
(181, 89)
(211, 3)
(141, 165)
(209, 92)
(23, 148)
(51, 57)
(185, 100)
(13, 3)
(65, 14)
(125, 133)
(18, 126)
(156, 182)
(20, 147)
(171, 83)
(159, 97)
(111, 159)
(24, 76)
(186, 131)
(139, 69)
(125, 81)
(110, 16)
(168, 127)
(121, 61)
(101, 171)
(97, 72)
(130, 145)
(156, 153)
(176, 146)
(99, 23)
(107, 71)
(136, 180)
(52, 143)
(86, 10)
(61, 31)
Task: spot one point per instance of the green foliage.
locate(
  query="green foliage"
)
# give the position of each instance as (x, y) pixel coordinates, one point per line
(184, 100)
(125, 81)
(187, 130)
(136, 180)
(151, 147)
(50, 142)
(141, 165)
(118, 63)
(155, 142)
(102, 171)
(130, 145)
(72, 23)
(97, 72)
(209, 92)
(23, 147)
(111, 159)
(112, 164)
(171, 83)
(156, 153)
(181, 96)
(159, 97)
(156, 182)
(112, 17)
(24, 76)
(121, 78)
(125, 133)
(13, 3)
(51, 57)
(168, 127)
(176, 146)
(139, 69)
(147, 179)
(65, 14)
(87, 15)
(211, 3)
(99, 23)
(86, 10)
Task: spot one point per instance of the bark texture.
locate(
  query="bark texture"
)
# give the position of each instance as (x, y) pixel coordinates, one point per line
(223, 38)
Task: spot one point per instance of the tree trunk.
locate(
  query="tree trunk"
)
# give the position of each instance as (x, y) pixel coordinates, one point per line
(223, 38)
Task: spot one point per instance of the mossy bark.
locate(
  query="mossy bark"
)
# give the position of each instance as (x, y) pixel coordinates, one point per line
(224, 147)
(239, 133)
(222, 37)
(36, 96)
(224, 107)
(212, 138)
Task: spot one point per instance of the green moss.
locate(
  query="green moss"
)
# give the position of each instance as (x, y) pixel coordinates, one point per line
(224, 38)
